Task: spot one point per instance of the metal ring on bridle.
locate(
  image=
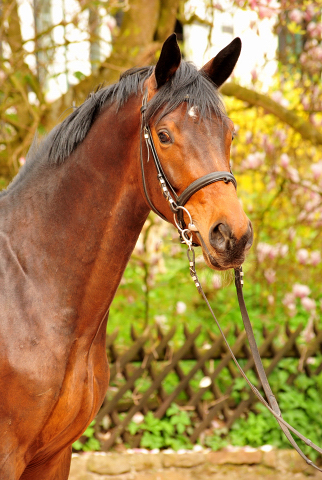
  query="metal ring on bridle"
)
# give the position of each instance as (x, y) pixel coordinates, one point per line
(175, 220)
(186, 235)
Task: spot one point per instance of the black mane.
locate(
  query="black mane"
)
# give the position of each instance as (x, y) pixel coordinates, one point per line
(187, 85)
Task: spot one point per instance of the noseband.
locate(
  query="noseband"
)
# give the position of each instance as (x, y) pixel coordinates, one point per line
(176, 204)
(168, 191)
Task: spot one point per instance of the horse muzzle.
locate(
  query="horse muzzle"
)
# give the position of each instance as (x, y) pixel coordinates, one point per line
(225, 250)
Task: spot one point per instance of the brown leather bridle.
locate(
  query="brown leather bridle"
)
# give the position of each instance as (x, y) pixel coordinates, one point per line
(168, 191)
(176, 204)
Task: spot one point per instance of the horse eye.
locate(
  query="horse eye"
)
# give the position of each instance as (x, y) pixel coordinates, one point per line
(164, 137)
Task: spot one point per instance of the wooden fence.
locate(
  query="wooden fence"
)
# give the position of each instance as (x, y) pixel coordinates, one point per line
(150, 375)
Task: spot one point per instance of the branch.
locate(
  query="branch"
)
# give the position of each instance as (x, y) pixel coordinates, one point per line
(303, 127)
(135, 45)
(167, 19)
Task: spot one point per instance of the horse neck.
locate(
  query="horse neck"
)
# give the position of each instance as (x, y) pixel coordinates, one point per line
(80, 221)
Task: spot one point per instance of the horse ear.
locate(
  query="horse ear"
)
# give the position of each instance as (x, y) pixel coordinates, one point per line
(168, 62)
(222, 65)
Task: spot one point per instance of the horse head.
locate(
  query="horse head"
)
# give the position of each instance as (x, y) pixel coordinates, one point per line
(191, 135)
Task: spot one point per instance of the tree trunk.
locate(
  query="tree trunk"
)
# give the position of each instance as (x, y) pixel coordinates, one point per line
(145, 26)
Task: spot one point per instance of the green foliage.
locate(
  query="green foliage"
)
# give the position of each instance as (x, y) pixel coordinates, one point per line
(79, 75)
(298, 402)
(167, 432)
(91, 443)
(217, 440)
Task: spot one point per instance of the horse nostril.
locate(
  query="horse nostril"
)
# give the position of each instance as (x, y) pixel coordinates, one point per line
(221, 237)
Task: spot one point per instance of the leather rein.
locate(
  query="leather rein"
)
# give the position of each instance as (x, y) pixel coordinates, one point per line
(176, 204)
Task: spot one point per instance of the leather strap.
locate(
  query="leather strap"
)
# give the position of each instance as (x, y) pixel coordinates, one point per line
(174, 201)
(203, 182)
(168, 191)
(199, 184)
(274, 407)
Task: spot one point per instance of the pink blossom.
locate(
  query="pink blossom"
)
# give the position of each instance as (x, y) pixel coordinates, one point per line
(315, 258)
(292, 310)
(308, 304)
(111, 23)
(317, 170)
(300, 291)
(302, 256)
(314, 29)
(296, 15)
(274, 251)
(301, 216)
(270, 299)
(284, 160)
(291, 233)
(216, 281)
(265, 12)
(281, 135)
(303, 58)
(218, 6)
(311, 27)
(269, 147)
(293, 174)
(277, 96)
(254, 75)
(22, 160)
(248, 137)
(310, 12)
(263, 249)
(270, 275)
(304, 100)
(271, 185)
(270, 251)
(311, 205)
(254, 160)
(283, 250)
(288, 300)
(317, 52)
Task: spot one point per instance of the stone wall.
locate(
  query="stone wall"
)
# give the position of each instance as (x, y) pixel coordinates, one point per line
(231, 463)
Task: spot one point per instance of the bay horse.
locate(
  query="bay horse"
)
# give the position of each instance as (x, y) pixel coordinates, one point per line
(69, 222)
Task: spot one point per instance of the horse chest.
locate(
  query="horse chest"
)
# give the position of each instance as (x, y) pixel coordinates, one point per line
(81, 394)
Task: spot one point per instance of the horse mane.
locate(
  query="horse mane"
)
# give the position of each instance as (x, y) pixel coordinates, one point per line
(187, 85)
